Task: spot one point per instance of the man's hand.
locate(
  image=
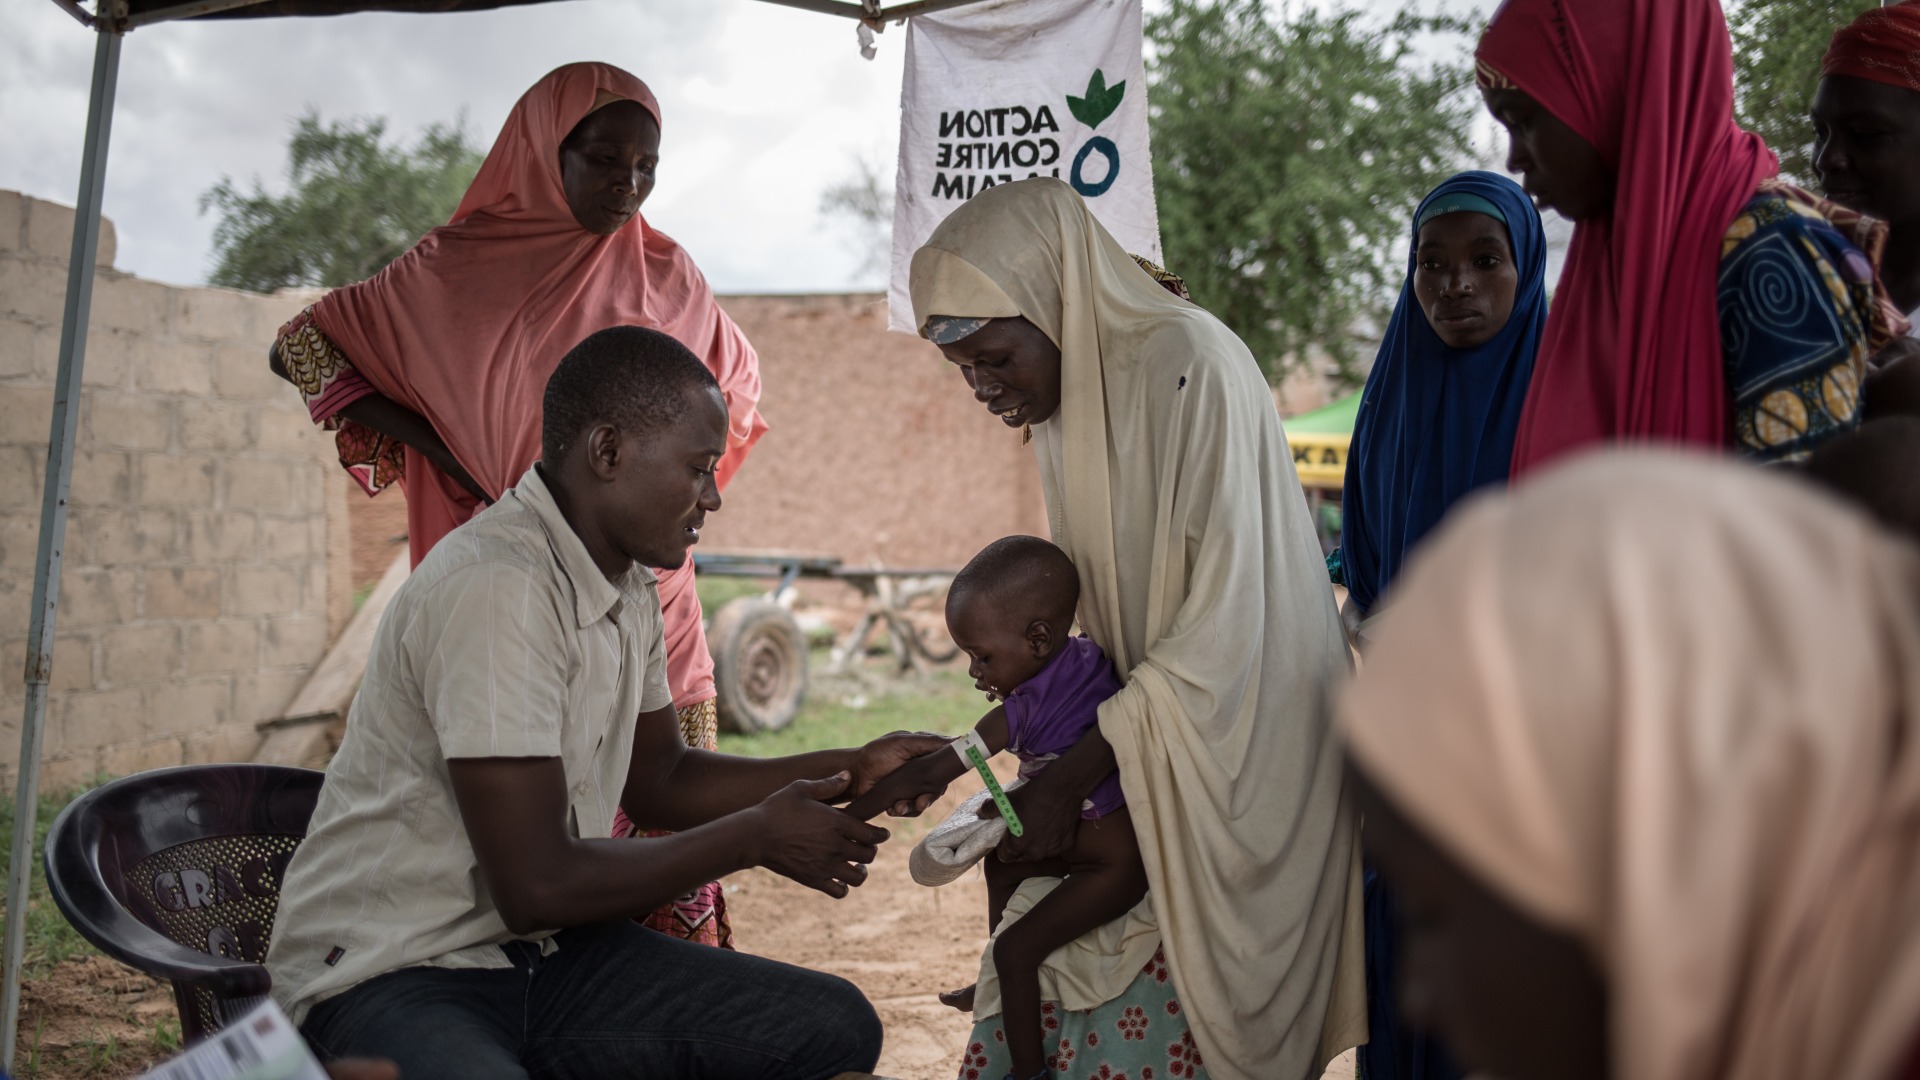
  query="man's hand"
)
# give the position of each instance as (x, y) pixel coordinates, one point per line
(887, 753)
(803, 838)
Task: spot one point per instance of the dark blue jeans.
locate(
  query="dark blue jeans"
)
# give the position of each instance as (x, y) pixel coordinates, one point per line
(616, 1000)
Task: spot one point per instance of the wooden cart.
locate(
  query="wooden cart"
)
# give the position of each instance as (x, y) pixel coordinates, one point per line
(760, 652)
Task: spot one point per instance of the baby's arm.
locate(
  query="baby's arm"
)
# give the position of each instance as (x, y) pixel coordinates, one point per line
(928, 774)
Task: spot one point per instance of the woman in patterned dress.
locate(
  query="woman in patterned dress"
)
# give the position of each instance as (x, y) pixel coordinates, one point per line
(1703, 302)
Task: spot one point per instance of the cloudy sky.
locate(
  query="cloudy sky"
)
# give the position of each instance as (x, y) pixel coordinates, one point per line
(765, 108)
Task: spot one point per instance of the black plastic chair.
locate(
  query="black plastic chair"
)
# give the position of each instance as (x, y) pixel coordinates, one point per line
(177, 872)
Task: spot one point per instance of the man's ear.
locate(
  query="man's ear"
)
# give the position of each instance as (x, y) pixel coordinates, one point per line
(603, 450)
(1041, 640)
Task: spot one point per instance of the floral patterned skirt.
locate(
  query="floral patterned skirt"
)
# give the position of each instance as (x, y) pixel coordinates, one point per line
(1140, 1035)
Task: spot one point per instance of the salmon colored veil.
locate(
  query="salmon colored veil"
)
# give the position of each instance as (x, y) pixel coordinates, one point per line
(1632, 349)
(466, 327)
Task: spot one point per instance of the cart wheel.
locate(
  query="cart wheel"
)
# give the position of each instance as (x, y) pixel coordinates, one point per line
(759, 665)
(929, 642)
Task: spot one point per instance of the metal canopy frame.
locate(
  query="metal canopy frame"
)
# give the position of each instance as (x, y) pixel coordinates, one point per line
(111, 21)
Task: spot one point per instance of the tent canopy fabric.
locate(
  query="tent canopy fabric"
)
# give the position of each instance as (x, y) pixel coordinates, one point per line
(1319, 441)
(172, 9)
(130, 14)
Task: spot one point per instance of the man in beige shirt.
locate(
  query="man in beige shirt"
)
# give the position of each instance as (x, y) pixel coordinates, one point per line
(456, 907)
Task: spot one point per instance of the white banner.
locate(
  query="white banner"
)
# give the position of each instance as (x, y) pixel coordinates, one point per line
(1010, 89)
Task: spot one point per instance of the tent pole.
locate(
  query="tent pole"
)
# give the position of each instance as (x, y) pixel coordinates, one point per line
(53, 512)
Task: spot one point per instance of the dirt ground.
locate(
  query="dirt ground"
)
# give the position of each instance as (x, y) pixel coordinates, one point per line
(898, 941)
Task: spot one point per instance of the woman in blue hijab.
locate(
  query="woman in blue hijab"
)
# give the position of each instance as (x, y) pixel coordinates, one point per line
(1443, 400)
(1437, 421)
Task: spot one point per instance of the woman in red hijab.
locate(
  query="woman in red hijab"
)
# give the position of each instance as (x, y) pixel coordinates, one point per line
(1702, 302)
(431, 372)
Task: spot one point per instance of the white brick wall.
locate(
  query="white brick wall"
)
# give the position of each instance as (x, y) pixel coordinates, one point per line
(196, 595)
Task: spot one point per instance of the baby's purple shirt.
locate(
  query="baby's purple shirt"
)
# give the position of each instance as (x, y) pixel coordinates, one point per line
(1048, 713)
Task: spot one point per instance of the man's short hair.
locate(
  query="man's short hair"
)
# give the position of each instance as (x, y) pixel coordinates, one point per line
(636, 379)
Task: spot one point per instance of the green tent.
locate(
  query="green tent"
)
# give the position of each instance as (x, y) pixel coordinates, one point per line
(1319, 441)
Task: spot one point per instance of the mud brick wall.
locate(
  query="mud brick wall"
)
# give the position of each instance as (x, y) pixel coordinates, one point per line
(877, 448)
(196, 594)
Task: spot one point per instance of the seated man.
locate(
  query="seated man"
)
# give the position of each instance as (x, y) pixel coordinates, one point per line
(454, 907)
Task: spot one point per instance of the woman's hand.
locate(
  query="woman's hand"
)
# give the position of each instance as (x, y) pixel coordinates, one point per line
(394, 420)
(1350, 619)
(887, 753)
(1048, 805)
(1049, 815)
(444, 460)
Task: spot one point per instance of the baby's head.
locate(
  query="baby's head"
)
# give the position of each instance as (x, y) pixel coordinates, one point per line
(1011, 609)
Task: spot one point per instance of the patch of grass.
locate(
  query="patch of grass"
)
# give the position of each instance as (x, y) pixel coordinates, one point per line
(99, 1057)
(50, 939)
(165, 1037)
(715, 590)
(835, 716)
(29, 1059)
(360, 595)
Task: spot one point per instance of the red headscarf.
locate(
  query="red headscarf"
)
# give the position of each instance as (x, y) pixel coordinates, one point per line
(466, 327)
(1632, 346)
(1883, 44)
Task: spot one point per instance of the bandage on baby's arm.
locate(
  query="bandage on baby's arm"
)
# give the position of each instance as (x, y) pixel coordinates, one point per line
(973, 750)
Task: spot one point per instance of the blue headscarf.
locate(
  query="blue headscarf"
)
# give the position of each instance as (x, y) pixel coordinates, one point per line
(1437, 422)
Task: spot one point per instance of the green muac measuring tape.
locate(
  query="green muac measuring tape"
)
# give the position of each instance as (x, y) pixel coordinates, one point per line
(973, 750)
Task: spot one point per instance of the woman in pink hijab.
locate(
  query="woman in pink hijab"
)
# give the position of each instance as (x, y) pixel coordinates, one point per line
(431, 372)
(1703, 302)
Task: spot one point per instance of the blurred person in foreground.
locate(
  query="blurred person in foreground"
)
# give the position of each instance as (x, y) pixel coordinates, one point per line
(1703, 302)
(430, 372)
(1635, 745)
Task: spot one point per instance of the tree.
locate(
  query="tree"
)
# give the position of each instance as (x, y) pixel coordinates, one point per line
(1777, 45)
(1288, 155)
(865, 200)
(354, 204)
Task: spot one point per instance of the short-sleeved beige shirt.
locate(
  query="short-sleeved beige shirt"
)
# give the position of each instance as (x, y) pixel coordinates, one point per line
(506, 641)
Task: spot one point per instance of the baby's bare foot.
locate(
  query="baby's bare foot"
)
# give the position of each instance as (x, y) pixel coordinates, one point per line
(961, 999)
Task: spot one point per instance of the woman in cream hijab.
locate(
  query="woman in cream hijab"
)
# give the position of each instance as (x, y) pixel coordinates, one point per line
(1639, 753)
(1168, 480)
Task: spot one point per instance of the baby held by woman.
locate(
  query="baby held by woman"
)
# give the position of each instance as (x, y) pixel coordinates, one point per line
(1010, 609)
